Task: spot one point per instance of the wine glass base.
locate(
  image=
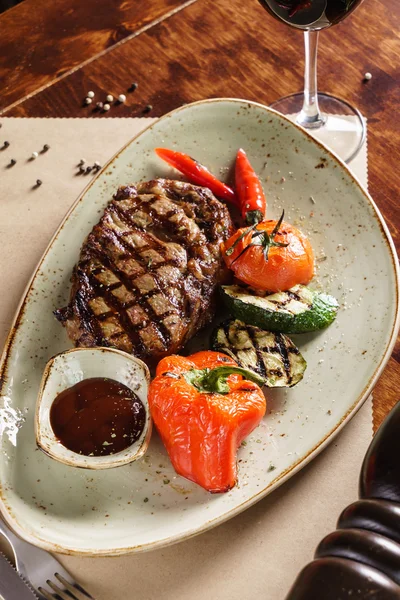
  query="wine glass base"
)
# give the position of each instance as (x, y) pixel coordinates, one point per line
(342, 128)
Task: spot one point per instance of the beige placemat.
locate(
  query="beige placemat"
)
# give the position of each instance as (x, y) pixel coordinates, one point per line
(255, 555)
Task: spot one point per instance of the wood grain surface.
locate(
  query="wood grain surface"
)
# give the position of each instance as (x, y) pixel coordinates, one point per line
(43, 40)
(208, 49)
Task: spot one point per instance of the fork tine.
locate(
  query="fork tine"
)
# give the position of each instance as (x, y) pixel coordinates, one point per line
(73, 585)
(47, 596)
(69, 594)
(83, 591)
(58, 590)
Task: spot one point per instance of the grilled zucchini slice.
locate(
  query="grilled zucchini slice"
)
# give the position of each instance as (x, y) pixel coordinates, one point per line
(271, 355)
(296, 311)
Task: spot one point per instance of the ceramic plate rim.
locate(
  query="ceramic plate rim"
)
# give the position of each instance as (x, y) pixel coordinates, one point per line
(6, 511)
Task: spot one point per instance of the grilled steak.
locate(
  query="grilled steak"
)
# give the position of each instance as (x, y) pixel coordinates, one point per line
(148, 271)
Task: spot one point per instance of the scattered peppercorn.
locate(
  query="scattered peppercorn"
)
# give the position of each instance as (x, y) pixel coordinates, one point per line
(12, 162)
(88, 169)
(133, 87)
(81, 169)
(147, 108)
(45, 148)
(39, 182)
(6, 144)
(81, 162)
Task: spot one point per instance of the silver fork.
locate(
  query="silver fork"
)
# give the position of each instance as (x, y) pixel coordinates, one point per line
(45, 574)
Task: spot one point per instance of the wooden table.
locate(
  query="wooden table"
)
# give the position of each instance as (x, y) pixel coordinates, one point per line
(52, 53)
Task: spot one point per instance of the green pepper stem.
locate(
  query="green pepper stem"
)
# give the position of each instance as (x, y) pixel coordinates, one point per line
(254, 217)
(214, 380)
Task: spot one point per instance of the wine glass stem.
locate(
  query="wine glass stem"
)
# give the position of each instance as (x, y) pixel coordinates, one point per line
(310, 116)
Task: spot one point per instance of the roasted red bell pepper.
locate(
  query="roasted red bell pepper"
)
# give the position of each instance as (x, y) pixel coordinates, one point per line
(197, 173)
(253, 204)
(203, 407)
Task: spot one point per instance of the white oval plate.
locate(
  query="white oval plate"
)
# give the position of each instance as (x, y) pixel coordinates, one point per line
(146, 505)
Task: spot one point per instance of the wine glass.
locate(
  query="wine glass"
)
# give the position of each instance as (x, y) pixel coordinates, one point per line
(326, 116)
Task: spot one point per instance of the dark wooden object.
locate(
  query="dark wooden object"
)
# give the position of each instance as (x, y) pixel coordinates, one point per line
(206, 49)
(361, 559)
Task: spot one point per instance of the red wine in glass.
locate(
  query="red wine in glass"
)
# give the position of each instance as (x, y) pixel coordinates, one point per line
(310, 14)
(336, 123)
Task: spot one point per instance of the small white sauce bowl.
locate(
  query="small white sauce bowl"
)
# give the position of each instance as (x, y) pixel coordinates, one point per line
(68, 368)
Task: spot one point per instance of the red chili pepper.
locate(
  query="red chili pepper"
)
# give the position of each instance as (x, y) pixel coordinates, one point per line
(197, 173)
(249, 190)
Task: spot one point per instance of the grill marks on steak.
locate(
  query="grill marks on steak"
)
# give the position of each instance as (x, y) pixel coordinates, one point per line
(147, 272)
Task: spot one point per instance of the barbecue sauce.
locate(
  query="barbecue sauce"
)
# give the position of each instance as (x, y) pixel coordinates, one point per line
(97, 417)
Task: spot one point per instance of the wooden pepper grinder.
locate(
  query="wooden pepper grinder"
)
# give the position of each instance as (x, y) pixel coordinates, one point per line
(361, 559)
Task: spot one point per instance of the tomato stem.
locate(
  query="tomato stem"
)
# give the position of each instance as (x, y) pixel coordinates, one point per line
(265, 239)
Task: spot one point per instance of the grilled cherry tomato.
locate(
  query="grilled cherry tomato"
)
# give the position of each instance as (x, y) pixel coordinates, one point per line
(253, 204)
(197, 173)
(271, 255)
